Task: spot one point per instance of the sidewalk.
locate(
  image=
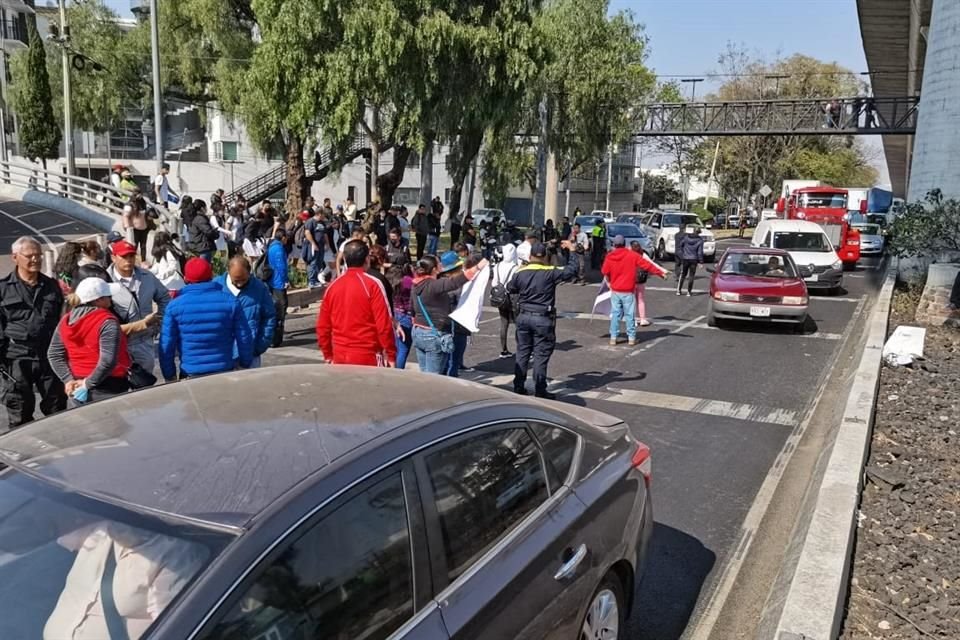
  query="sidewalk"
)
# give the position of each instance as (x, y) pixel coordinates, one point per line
(906, 569)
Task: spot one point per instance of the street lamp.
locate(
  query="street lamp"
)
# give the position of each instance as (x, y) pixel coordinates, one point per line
(693, 91)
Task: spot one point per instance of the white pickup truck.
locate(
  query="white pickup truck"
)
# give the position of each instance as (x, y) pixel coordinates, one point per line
(662, 227)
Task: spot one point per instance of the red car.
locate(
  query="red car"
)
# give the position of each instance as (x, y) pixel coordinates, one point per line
(758, 285)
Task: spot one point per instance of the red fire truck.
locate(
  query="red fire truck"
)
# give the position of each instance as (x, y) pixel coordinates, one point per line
(827, 207)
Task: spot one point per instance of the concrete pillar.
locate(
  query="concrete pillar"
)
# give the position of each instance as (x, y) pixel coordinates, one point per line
(553, 190)
(937, 143)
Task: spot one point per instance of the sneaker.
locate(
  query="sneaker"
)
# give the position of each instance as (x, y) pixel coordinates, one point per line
(506, 354)
(632, 342)
(520, 391)
(689, 293)
(679, 294)
(468, 369)
(613, 342)
(583, 284)
(645, 323)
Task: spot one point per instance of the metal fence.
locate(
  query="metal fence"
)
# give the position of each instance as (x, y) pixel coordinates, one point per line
(91, 193)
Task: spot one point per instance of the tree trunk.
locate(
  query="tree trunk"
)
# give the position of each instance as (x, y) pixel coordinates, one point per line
(373, 133)
(388, 183)
(469, 144)
(297, 184)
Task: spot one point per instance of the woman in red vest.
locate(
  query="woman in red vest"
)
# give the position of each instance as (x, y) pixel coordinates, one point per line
(89, 351)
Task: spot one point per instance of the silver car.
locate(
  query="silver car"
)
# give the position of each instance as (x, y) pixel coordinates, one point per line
(631, 233)
(871, 238)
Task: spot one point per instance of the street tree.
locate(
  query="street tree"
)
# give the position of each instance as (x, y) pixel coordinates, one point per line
(32, 100)
(659, 189)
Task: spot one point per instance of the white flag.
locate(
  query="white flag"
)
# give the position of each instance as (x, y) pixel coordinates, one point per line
(467, 313)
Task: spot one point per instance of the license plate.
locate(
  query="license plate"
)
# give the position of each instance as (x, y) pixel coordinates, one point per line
(760, 312)
(815, 277)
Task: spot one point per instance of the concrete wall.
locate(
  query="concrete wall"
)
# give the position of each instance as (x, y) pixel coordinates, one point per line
(937, 144)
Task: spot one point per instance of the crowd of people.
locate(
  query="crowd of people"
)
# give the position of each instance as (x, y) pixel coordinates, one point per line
(149, 301)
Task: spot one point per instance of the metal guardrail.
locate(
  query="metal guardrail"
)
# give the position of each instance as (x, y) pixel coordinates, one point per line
(97, 195)
(851, 116)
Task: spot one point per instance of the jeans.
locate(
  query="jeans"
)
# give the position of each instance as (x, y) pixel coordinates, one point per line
(581, 267)
(689, 268)
(432, 242)
(429, 356)
(403, 346)
(455, 361)
(623, 305)
(280, 306)
(315, 265)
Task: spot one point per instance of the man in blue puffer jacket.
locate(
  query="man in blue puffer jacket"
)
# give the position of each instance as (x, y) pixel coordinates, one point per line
(255, 302)
(201, 325)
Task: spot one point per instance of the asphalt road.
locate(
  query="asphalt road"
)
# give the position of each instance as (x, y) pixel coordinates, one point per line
(716, 406)
(23, 219)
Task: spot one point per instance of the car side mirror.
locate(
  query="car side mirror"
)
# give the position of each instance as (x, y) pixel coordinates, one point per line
(805, 272)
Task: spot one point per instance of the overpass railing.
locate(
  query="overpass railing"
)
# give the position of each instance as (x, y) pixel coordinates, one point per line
(812, 116)
(97, 195)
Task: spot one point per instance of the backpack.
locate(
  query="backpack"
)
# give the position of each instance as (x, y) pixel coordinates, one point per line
(262, 268)
(299, 231)
(499, 296)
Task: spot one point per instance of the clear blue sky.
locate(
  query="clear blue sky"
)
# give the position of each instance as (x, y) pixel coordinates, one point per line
(686, 36)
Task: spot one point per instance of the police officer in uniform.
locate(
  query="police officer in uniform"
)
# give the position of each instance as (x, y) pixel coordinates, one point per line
(535, 288)
(30, 308)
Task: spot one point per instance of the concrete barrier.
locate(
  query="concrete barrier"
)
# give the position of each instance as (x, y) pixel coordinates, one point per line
(814, 602)
(933, 309)
(101, 220)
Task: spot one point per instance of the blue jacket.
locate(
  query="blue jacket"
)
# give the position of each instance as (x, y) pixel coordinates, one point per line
(277, 259)
(256, 303)
(690, 247)
(201, 325)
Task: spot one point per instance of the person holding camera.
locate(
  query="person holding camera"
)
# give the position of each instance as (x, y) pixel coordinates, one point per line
(579, 247)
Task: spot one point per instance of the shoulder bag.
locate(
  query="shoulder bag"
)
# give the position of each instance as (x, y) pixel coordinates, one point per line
(446, 339)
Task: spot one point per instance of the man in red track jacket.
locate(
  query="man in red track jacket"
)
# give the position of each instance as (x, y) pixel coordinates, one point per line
(355, 325)
(620, 270)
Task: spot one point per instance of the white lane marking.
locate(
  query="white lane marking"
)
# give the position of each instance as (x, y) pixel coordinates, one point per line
(731, 568)
(32, 228)
(62, 224)
(650, 345)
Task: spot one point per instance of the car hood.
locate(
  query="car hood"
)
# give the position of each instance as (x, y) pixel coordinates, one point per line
(750, 285)
(816, 258)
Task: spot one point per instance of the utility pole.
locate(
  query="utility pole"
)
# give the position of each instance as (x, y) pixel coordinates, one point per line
(157, 96)
(713, 169)
(67, 91)
(609, 173)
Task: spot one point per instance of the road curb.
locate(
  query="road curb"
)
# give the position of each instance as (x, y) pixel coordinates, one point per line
(814, 600)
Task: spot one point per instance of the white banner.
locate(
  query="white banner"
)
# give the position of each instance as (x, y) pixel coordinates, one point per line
(467, 313)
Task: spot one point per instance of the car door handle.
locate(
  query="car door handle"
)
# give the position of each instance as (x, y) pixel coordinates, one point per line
(570, 566)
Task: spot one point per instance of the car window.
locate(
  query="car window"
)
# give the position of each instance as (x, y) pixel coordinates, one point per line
(802, 241)
(348, 576)
(482, 487)
(559, 446)
(758, 265)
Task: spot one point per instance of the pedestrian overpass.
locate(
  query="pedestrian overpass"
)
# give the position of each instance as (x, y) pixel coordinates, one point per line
(810, 116)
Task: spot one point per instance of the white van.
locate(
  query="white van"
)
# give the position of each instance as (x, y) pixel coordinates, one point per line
(808, 245)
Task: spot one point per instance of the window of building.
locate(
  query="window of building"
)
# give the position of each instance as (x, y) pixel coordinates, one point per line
(483, 486)
(349, 576)
(227, 151)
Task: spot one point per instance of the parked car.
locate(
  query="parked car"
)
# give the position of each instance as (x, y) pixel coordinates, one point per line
(281, 514)
(872, 239)
(607, 216)
(486, 215)
(662, 227)
(630, 233)
(631, 218)
(808, 245)
(757, 285)
(587, 223)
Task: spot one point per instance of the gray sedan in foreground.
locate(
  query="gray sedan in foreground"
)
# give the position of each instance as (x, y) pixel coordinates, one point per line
(322, 502)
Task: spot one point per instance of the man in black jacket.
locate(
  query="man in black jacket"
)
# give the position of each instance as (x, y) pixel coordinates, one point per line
(30, 307)
(535, 286)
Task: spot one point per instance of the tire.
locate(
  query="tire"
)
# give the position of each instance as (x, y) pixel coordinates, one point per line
(711, 320)
(606, 612)
(710, 259)
(849, 266)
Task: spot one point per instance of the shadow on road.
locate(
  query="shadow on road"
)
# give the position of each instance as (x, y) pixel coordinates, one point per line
(677, 567)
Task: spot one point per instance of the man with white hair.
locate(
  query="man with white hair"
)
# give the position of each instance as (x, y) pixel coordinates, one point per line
(30, 307)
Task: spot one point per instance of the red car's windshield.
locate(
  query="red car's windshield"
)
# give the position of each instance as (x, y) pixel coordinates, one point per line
(758, 265)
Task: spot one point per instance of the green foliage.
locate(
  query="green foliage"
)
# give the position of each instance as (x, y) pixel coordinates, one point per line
(32, 100)
(716, 206)
(927, 228)
(746, 163)
(658, 190)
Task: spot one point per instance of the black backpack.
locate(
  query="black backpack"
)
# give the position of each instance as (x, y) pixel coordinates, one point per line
(499, 296)
(262, 268)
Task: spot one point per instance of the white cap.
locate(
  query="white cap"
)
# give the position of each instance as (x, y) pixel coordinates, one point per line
(91, 289)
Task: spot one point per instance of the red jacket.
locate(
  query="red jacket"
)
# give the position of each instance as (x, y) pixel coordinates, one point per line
(621, 266)
(355, 324)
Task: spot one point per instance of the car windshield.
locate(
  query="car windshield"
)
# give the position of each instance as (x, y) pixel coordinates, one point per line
(678, 220)
(823, 201)
(58, 549)
(588, 221)
(868, 229)
(801, 241)
(877, 219)
(758, 265)
(625, 230)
